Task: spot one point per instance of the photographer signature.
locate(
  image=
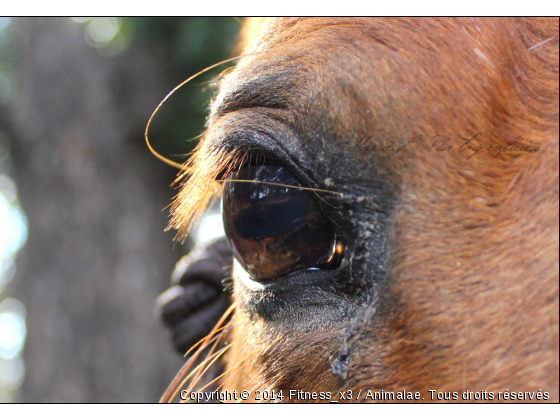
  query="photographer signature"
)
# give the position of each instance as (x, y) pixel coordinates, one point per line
(442, 144)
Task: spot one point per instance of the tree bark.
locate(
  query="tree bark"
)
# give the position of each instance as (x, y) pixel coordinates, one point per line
(96, 256)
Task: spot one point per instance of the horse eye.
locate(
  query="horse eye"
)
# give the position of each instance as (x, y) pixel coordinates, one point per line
(275, 230)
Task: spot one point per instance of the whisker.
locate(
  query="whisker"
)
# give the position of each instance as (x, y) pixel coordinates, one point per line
(199, 367)
(220, 377)
(186, 367)
(210, 354)
(203, 367)
(173, 387)
(191, 350)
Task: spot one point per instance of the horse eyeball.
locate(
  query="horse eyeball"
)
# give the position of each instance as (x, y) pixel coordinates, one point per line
(275, 230)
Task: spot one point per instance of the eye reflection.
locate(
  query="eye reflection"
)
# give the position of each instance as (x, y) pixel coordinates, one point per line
(275, 230)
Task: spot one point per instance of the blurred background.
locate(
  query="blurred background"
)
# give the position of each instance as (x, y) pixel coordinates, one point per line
(83, 253)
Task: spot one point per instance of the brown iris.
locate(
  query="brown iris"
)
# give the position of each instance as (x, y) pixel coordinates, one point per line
(275, 230)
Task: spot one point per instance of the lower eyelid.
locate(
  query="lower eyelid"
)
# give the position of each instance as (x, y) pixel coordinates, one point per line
(240, 274)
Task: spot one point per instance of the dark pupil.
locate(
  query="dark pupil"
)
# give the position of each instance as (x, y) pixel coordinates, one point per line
(274, 230)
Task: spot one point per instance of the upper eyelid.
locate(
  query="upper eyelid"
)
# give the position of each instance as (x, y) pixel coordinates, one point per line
(255, 128)
(256, 156)
(245, 155)
(253, 89)
(272, 155)
(264, 132)
(254, 144)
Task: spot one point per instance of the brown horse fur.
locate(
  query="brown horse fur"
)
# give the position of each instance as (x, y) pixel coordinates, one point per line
(452, 255)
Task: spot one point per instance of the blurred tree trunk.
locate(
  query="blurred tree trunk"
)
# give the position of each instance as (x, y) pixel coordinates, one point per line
(96, 256)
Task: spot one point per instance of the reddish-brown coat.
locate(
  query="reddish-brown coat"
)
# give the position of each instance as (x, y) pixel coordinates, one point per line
(474, 243)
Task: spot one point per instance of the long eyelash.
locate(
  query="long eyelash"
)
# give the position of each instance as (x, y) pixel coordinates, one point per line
(175, 89)
(203, 187)
(282, 185)
(170, 162)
